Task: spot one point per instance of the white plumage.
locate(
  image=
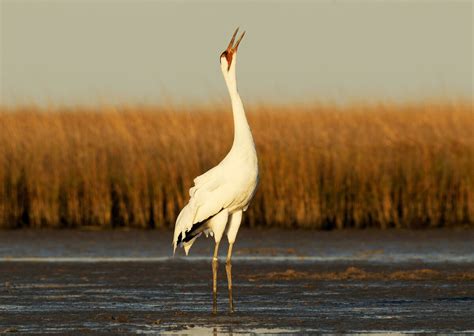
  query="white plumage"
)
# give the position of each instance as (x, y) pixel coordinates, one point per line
(226, 189)
(220, 195)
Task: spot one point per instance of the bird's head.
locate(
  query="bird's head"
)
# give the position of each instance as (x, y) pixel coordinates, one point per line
(228, 57)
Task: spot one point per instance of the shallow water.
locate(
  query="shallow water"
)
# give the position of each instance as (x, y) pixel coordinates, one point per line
(285, 282)
(257, 245)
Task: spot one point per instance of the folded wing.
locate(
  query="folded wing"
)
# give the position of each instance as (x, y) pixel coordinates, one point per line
(208, 197)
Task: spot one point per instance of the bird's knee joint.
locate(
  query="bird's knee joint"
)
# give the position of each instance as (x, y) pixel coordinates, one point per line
(214, 259)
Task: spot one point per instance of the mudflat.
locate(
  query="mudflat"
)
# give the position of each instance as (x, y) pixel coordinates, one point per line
(75, 282)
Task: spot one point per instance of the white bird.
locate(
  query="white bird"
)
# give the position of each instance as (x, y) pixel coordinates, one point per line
(220, 195)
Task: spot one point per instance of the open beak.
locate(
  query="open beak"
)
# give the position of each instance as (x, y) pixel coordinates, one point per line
(231, 49)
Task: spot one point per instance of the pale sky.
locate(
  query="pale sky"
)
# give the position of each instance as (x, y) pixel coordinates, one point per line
(89, 51)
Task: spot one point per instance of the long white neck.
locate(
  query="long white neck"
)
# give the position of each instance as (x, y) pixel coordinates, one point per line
(242, 133)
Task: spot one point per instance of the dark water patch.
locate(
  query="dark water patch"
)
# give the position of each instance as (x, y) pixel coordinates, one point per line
(431, 246)
(456, 299)
(111, 298)
(126, 282)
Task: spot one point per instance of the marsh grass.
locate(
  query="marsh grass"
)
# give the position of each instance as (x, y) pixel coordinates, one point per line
(322, 166)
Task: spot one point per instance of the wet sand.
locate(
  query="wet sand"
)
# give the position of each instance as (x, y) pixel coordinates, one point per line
(79, 283)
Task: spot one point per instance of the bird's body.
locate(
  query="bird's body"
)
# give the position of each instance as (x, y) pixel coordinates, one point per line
(226, 188)
(220, 196)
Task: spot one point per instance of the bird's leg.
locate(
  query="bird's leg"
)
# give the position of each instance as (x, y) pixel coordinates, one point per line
(214, 278)
(228, 268)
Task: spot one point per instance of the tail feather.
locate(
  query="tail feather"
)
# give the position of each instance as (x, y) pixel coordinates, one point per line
(185, 232)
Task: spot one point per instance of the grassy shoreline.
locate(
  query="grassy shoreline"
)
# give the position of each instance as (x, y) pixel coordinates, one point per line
(390, 165)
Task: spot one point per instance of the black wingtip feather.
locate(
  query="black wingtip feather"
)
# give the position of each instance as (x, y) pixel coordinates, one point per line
(195, 230)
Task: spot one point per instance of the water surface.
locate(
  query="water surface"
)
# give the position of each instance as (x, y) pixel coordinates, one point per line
(75, 282)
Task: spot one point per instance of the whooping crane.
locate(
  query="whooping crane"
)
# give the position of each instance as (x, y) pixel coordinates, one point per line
(220, 195)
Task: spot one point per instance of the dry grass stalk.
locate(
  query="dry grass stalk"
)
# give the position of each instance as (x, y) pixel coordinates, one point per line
(321, 166)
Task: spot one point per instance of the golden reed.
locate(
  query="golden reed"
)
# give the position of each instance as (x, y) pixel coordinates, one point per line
(322, 166)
